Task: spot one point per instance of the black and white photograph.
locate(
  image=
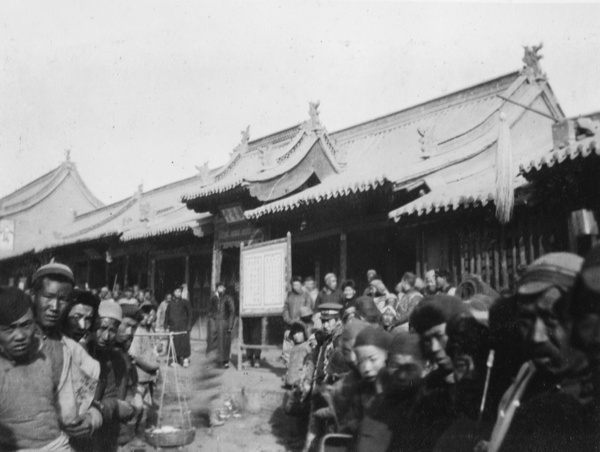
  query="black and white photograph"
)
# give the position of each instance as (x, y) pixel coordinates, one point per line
(299, 226)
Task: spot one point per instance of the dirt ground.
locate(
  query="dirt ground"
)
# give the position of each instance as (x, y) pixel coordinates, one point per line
(262, 425)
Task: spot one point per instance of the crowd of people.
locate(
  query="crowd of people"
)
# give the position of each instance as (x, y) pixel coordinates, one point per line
(79, 367)
(428, 367)
(435, 367)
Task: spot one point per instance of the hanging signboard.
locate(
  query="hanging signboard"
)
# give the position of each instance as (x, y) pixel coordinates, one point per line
(7, 235)
(265, 271)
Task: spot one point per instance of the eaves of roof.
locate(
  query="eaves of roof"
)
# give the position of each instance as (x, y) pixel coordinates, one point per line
(580, 149)
(318, 193)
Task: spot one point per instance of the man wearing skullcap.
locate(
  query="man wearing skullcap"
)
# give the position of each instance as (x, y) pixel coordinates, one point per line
(113, 380)
(28, 380)
(585, 309)
(547, 406)
(52, 287)
(330, 293)
(429, 320)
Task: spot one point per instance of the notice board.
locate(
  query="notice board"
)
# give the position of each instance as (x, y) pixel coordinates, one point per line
(265, 272)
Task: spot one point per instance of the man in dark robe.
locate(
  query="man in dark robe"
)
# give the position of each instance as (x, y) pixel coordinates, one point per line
(220, 324)
(178, 319)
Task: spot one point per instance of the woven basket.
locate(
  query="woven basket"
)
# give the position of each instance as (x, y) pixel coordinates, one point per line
(179, 437)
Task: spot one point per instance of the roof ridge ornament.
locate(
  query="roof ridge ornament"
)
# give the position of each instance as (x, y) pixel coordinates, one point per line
(428, 141)
(532, 69)
(314, 123)
(204, 174)
(243, 146)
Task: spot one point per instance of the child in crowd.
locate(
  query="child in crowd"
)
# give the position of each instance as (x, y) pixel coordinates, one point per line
(298, 353)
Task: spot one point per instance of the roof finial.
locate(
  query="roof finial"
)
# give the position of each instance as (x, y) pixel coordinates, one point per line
(314, 122)
(68, 155)
(532, 68)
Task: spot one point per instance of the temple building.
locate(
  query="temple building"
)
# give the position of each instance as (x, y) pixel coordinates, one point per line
(473, 181)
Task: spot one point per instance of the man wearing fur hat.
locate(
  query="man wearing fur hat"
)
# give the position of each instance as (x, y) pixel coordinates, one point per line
(548, 405)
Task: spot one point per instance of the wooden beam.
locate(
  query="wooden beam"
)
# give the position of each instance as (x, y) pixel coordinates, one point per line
(151, 273)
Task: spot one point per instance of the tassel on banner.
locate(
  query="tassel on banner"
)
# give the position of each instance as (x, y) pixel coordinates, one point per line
(505, 181)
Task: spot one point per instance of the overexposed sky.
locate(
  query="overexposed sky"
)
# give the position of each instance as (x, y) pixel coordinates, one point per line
(144, 90)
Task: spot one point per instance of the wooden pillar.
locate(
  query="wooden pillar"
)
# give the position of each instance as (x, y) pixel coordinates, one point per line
(151, 275)
(89, 274)
(217, 258)
(107, 275)
(187, 271)
(318, 273)
(343, 256)
(263, 331)
(126, 275)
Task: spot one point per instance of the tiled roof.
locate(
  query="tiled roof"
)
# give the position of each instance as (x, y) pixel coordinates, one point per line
(34, 192)
(579, 149)
(178, 220)
(134, 214)
(475, 190)
(331, 188)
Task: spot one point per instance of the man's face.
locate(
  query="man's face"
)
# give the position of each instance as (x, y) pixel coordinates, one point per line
(126, 331)
(136, 288)
(220, 289)
(17, 338)
(587, 332)
(545, 338)
(115, 294)
(440, 282)
(387, 318)
(128, 294)
(50, 303)
(104, 293)
(177, 293)
(434, 342)
(309, 285)
(332, 283)
(329, 325)
(430, 282)
(106, 332)
(79, 321)
(147, 295)
(169, 297)
(349, 292)
(370, 360)
(370, 275)
(406, 371)
(297, 286)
